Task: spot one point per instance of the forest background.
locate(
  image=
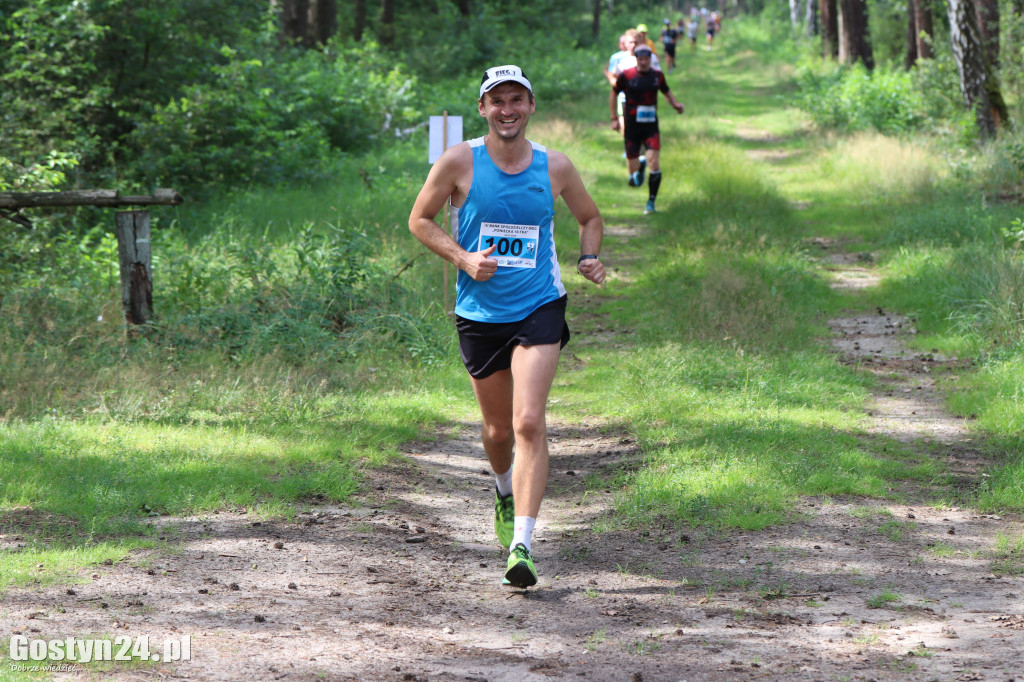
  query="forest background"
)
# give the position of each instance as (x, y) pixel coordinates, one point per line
(292, 306)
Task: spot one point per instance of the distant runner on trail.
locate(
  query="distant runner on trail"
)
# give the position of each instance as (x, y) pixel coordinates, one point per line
(510, 300)
(668, 39)
(714, 25)
(641, 85)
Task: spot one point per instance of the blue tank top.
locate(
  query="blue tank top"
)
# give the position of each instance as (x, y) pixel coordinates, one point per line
(515, 212)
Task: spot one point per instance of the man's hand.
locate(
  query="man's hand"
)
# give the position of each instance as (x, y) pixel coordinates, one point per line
(479, 266)
(678, 106)
(592, 269)
(615, 124)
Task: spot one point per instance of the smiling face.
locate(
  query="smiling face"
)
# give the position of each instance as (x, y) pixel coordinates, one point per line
(507, 108)
(643, 62)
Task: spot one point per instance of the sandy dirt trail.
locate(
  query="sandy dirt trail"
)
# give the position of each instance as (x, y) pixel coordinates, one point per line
(404, 585)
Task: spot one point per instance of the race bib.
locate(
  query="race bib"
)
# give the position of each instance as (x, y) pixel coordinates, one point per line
(646, 114)
(516, 244)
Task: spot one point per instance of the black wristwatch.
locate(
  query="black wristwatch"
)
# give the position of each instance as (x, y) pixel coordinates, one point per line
(586, 256)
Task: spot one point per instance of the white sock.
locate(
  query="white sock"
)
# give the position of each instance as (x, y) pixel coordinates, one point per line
(522, 531)
(504, 483)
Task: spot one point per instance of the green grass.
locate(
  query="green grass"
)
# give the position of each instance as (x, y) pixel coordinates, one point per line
(1008, 555)
(883, 599)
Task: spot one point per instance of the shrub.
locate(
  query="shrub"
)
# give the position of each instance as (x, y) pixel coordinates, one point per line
(265, 122)
(853, 98)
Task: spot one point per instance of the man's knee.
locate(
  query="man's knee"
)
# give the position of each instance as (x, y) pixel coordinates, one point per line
(530, 425)
(498, 434)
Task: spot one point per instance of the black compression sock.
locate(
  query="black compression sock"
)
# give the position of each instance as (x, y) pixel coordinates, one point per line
(654, 183)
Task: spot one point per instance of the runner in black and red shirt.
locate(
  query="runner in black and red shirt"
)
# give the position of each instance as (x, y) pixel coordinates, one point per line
(641, 85)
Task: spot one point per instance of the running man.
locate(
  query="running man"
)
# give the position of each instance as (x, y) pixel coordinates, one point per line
(712, 27)
(668, 39)
(691, 32)
(614, 66)
(644, 38)
(641, 85)
(510, 300)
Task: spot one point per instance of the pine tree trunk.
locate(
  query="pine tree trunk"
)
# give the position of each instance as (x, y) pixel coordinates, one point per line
(854, 36)
(830, 28)
(987, 12)
(295, 20)
(387, 22)
(924, 33)
(596, 28)
(910, 58)
(324, 20)
(358, 19)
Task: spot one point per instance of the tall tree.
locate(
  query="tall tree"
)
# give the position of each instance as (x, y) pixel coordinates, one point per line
(919, 31)
(358, 19)
(854, 35)
(295, 20)
(387, 22)
(988, 29)
(811, 18)
(924, 33)
(794, 13)
(309, 22)
(324, 20)
(977, 84)
(596, 29)
(830, 28)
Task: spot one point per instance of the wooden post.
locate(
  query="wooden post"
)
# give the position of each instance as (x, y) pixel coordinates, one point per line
(447, 225)
(133, 250)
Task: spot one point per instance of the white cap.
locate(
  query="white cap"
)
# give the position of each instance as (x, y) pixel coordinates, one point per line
(501, 74)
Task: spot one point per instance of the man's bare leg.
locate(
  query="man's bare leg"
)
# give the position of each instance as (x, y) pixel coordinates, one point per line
(533, 369)
(494, 395)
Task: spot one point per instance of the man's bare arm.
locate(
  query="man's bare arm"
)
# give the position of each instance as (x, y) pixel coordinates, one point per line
(441, 183)
(569, 185)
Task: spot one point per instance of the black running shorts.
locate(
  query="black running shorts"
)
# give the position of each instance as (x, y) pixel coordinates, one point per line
(639, 135)
(486, 347)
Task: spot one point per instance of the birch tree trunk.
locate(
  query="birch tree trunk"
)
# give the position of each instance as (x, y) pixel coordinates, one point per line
(811, 18)
(970, 62)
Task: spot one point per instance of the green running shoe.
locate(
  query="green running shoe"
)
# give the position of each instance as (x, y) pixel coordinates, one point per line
(520, 572)
(504, 518)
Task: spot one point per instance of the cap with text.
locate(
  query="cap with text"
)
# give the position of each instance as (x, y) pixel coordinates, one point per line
(503, 74)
